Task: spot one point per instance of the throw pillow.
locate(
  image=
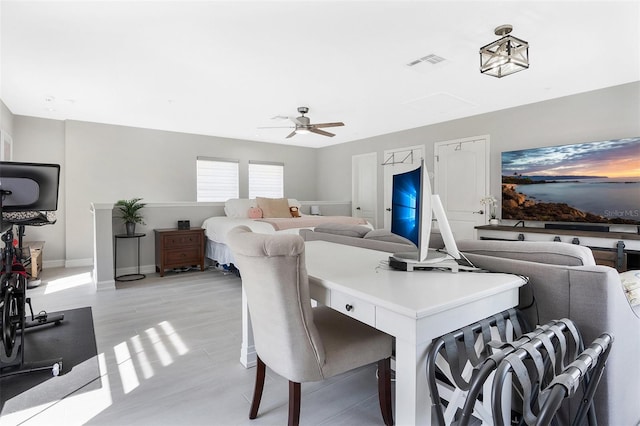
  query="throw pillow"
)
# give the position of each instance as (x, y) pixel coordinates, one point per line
(357, 231)
(255, 213)
(274, 207)
(631, 286)
(238, 207)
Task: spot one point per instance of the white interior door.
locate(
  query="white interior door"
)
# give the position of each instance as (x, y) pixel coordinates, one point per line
(461, 169)
(397, 161)
(364, 187)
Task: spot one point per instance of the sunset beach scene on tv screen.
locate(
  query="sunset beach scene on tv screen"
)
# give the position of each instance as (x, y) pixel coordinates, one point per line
(595, 182)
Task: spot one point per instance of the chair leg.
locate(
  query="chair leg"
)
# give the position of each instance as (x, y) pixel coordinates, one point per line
(294, 403)
(257, 391)
(384, 390)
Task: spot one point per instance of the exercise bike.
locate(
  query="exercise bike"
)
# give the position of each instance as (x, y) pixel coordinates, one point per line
(21, 193)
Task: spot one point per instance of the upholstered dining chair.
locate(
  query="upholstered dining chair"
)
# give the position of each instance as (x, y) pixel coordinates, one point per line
(296, 341)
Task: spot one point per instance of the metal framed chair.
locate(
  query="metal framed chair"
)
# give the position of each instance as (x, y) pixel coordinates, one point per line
(586, 370)
(535, 366)
(455, 360)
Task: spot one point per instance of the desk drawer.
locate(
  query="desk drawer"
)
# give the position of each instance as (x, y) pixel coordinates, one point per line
(354, 307)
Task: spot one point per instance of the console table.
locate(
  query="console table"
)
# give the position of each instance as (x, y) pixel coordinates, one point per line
(414, 307)
(620, 250)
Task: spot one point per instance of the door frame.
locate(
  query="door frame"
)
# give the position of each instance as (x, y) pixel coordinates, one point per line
(374, 156)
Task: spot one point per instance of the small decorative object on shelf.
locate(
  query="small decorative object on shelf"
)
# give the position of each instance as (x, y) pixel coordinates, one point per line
(491, 203)
(130, 214)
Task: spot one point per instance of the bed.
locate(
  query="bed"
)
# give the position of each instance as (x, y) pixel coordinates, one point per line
(237, 213)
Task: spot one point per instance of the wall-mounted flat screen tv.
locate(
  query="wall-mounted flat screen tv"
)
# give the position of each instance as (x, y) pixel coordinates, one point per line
(593, 182)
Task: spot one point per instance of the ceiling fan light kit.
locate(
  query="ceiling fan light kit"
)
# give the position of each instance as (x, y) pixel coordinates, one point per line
(505, 56)
(304, 126)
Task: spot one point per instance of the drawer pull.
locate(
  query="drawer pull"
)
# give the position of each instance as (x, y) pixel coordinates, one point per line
(348, 307)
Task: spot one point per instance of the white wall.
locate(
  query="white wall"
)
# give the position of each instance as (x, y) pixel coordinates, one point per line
(599, 115)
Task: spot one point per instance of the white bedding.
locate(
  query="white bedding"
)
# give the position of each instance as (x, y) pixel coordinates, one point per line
(216, 229)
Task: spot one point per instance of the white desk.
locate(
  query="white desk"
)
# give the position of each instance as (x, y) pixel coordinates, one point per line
(414, 307)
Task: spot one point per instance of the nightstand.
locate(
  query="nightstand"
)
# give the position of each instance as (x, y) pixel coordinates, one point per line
(177, 248)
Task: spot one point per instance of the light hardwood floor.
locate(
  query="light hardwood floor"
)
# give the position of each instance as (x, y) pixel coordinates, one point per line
(169, 355)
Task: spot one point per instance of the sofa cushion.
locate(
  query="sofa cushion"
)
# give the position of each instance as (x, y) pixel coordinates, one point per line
(554, 253)
(357, 231)
(384, 235)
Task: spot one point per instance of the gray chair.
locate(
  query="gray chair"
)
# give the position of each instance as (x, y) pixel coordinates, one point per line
(298, 342)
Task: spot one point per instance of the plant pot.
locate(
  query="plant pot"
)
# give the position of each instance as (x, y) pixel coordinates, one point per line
(131, 228)
(494, 222)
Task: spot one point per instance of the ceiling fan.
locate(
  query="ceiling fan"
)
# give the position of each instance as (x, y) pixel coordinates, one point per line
(303, 124)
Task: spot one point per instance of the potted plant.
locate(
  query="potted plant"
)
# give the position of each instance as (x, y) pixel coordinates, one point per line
(491, 203)
(130, 213)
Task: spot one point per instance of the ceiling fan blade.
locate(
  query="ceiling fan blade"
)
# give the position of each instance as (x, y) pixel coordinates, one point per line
(321, 132)
(320, 125)
(280, 117)
(291, 134)
(275, 127)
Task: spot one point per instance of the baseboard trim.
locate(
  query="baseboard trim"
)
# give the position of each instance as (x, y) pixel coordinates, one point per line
(53, 264)
(106, 285)
(144, 269)
(78, 263)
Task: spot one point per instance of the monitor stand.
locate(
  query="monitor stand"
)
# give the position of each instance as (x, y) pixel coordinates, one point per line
(435, 259)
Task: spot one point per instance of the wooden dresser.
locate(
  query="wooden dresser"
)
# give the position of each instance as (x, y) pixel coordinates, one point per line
(177, 248)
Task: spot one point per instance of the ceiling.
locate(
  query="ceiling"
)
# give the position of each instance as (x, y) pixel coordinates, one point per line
(225, 68)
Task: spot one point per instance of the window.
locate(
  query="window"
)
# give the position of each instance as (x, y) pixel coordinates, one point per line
(266, 179)
(218, 179)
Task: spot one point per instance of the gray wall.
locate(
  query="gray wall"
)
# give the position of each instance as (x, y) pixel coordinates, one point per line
(599, 115)
(41, 140)
(103, 163)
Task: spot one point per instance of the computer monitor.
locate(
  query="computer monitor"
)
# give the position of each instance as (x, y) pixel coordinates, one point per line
(29, 186)
(413, 207)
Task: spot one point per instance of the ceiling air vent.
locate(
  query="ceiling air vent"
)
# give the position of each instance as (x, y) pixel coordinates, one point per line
(432, 59)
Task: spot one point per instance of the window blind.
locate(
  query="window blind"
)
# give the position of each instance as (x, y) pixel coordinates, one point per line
(266, 179)
(217, 179)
